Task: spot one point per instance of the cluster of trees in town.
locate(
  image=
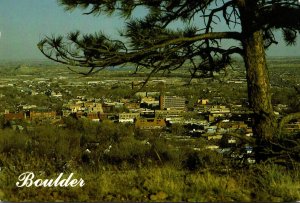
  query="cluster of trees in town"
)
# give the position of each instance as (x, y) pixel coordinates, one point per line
(88, 144)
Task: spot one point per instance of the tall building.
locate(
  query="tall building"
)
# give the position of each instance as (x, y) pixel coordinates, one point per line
(171, 102)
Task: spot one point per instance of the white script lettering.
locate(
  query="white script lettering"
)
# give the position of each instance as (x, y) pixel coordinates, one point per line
(27, 180)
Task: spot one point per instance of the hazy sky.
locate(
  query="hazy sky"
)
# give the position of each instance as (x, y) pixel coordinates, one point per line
(23, 23)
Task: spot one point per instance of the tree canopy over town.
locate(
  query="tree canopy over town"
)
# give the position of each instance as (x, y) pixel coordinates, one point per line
(197, 40)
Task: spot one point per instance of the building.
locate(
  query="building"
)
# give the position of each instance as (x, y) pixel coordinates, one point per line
(128, 117)
(108, 116)
(93, 107)
(88, 107)
(149, 102)
(234, 125)
(168, 113)
(93, 116)
(203, 101)
(150, 123)
(132, 106)
(172, 102)
(218, 111)
(14, 116)
(147, 94)
(42, 115)
(107, 108)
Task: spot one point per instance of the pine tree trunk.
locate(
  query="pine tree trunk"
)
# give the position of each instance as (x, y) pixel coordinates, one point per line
(264, 120)
(259, 94)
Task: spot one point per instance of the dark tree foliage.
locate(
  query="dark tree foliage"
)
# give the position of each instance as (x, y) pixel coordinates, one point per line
(152, 43)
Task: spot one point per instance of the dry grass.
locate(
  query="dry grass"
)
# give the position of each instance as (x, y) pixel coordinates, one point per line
(262, 183)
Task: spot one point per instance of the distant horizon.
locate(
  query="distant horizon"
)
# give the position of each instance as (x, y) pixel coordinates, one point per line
(48, 61)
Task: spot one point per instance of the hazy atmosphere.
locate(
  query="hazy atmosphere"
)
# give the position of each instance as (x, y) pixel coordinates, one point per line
(24, 23)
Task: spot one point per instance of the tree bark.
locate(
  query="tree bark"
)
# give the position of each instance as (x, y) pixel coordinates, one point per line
(264, 119)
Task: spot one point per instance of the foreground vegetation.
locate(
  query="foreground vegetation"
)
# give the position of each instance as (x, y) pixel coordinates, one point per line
(166, 183)
(139, 166)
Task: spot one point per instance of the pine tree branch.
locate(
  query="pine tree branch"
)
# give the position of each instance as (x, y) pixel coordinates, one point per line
(113, 58)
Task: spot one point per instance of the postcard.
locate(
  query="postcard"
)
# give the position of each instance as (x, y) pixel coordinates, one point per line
(149, 101)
